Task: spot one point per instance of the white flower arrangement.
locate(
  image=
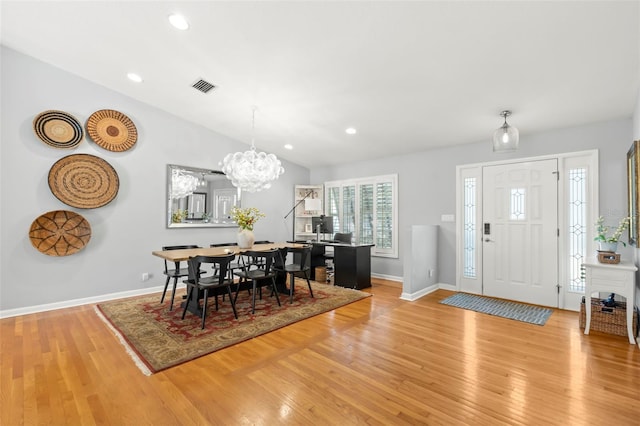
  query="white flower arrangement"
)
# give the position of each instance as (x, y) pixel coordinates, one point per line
(602, 231)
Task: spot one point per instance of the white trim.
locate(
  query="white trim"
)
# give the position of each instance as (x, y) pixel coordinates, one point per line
(468, 284)
(7, 313)
(565, 160)
(449, 287)
(417, 295)
(387, 277)
(356, 184)
(562, 156)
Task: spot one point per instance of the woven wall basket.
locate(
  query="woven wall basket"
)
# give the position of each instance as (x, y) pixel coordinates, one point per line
(83, 181)
(112, 130)
(60, 233)
(58, 129)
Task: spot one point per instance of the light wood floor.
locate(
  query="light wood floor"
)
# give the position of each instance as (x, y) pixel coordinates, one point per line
(377, 361)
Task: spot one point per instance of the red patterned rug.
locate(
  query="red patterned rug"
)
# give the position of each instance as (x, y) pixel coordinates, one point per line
(157, 338)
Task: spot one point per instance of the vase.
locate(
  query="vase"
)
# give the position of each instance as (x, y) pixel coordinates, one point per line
(602, 246)
(245, 238)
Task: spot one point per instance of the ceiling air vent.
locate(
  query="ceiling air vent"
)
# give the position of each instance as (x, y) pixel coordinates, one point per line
(203, 86)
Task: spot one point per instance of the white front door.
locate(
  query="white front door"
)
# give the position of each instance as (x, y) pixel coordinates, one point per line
(520, 232)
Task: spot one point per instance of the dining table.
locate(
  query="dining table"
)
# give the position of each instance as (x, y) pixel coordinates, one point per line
(182, 255)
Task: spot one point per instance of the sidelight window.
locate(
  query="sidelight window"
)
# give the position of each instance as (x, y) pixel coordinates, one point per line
(577, 227)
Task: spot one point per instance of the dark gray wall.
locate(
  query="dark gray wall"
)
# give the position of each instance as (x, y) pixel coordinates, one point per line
(124, 232)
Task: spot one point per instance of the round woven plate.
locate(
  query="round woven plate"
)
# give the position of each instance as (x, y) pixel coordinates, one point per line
(58, 129)
(83, 181)
(60, 233)
(112, 130)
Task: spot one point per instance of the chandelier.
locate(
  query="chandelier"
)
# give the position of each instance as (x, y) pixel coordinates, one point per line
(183, 183)
(506, 137)
(250, 170)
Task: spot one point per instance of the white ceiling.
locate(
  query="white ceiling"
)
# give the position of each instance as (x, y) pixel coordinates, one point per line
(410, 76)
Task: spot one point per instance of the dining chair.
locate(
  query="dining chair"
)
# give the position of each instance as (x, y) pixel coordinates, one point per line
(261, 273)
(175, 273)
(233, 265)
(299, 267)
(250, 261)
(197, 282)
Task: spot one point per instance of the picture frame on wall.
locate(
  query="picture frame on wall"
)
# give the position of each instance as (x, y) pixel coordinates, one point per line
(633, 197)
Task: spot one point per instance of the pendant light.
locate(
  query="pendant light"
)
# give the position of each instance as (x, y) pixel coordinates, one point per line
(252, 171)
(506, 137)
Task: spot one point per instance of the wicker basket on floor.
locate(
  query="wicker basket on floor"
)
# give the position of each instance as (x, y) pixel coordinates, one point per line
(321, 274)
(611, 320)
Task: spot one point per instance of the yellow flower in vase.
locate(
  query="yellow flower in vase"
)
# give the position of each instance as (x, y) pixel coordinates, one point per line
(246, 218)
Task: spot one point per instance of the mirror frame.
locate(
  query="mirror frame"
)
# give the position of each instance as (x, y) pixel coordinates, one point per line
(633, 197)
(215, 221)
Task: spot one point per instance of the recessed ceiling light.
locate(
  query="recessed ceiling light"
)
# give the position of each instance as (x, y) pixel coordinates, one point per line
(351, 131)
(134, 77)
(288, 146)
(179, 21)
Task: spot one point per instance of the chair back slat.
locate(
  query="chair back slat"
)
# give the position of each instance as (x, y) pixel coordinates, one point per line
(181, 247)
(222, 244)
(221, 262)
(265, 259)
(303, 253)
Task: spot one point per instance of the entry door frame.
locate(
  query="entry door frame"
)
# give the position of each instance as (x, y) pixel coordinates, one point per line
(566, 161)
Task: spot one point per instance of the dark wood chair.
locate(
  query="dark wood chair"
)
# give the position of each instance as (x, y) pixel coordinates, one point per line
(250, 261)
(233, 265)
(261, 273)
(214, 283)
(300, 267)
(175, 273)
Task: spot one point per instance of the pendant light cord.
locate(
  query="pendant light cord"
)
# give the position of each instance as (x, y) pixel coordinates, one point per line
(253, 127)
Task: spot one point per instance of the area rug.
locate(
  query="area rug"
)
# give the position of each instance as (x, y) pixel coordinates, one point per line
(499, 307)
(158, 339)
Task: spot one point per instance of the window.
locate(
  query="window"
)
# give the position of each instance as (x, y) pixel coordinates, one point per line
(469, 234)
(367, 208)
(577, 221)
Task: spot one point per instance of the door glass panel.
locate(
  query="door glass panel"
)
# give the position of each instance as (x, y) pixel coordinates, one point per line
(470, 228)
(517, 204)
(577, 227)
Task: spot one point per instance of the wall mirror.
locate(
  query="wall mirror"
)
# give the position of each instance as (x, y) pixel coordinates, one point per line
(199, 198)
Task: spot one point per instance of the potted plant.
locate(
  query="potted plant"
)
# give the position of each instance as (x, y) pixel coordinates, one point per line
(245, 218)
(606, 242)
(179, 215)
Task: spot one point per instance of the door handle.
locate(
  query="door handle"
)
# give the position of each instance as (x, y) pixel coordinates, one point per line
(488, 240)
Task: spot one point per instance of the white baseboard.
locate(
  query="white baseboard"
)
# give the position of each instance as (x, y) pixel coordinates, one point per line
(7, 313)
(417, 295)
(450, 287)
(387, 277)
